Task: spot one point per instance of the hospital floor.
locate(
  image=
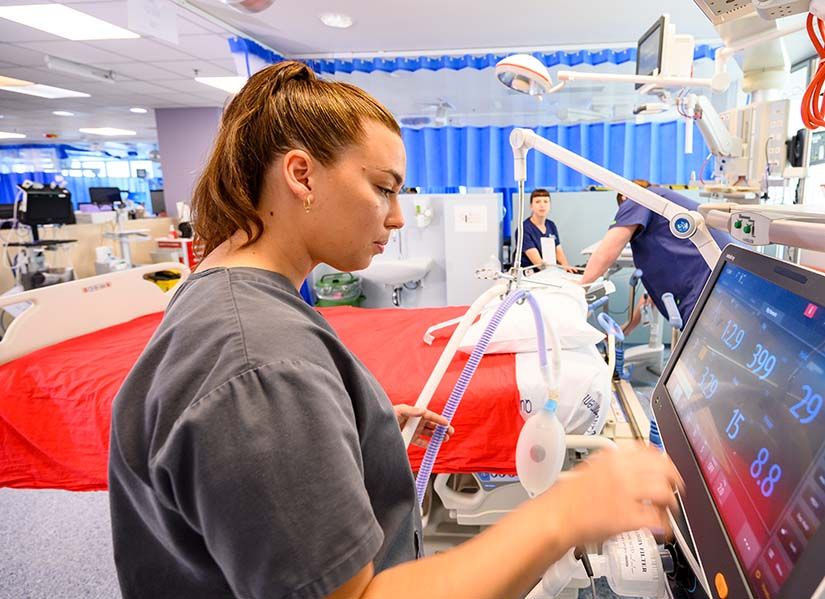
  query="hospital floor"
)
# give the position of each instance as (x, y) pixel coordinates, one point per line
(57, 545)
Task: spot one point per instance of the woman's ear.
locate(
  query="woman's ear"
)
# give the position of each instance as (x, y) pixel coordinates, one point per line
(297, 167)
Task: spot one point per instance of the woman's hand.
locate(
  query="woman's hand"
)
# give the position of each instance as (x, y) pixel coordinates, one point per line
(426, 426)
(615, 491)
(568, 268)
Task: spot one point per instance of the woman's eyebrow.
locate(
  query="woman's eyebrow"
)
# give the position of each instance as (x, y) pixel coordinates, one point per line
(395, 175)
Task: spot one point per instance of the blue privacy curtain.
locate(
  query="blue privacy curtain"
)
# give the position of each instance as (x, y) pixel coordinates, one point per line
(481, 156)
(250, 57)
(441, 159)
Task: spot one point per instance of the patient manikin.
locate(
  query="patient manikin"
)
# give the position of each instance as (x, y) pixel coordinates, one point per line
(585, 376)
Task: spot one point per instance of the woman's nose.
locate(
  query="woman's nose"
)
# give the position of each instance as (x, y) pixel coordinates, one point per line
(395, 217)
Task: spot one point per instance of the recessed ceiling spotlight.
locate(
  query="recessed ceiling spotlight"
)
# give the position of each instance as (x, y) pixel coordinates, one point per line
(137, 110)
(62, 113)
(336, 20)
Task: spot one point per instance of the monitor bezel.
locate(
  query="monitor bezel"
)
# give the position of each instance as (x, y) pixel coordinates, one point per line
(661, 25)
(706, 527)
(67, 216)
(112, 203)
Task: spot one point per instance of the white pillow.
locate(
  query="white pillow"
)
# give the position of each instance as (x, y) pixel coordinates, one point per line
(564, 309)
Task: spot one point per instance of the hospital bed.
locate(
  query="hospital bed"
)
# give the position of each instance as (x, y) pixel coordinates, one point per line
(62, 360)
(59, 374)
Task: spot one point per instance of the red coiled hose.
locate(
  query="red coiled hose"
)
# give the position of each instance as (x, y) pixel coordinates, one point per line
(813, 105)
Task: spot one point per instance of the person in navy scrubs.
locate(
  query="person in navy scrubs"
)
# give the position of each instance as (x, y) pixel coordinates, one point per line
(535, 228)
(668, 264)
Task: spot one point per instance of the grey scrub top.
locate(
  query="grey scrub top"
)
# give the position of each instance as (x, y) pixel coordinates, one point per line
(252, 455)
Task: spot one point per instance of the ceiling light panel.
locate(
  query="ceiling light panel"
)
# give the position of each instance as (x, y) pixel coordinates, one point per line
(12, 82)
(44, 91)
(107, 131)
(6, 135)
(65, 22)
(228, 84)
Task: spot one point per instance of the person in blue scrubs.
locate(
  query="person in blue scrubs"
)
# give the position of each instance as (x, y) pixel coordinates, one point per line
(668, 264)
(538, 226)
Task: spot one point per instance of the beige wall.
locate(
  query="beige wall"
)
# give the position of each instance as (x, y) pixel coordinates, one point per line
(81, 255)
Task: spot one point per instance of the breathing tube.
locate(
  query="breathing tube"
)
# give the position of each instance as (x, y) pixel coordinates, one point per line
(447, 355)
(615, 344)
(551, 380)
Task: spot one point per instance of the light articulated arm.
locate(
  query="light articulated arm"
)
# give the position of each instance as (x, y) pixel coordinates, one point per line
(684, 224)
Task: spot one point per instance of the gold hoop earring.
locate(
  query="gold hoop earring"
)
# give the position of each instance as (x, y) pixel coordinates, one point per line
(308, 203)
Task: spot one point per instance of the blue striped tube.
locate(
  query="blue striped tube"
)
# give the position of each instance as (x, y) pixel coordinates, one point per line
(620, 360)
(466, 376)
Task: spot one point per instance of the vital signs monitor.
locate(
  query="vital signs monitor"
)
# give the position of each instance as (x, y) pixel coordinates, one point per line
(740, 408)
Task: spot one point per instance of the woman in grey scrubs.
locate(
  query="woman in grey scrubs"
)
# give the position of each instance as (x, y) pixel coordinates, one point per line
(252, 455)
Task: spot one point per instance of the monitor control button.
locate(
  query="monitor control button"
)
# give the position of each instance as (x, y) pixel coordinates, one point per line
(721, 585)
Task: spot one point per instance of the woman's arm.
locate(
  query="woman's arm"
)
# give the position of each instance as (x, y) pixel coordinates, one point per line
(534, 257)
(561, 260)
(608, 252)
(615, 491)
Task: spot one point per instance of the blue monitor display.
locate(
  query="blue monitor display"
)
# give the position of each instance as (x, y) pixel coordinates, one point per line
(748, 387)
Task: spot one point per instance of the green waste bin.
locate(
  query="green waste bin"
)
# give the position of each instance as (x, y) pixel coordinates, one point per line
(338, 289)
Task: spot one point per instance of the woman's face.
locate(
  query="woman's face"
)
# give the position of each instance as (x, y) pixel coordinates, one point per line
(540, 206)
(356, 200)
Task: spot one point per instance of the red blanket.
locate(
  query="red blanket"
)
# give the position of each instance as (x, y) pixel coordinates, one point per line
(55, 403)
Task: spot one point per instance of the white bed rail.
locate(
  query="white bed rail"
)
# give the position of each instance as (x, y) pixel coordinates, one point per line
(67, 310)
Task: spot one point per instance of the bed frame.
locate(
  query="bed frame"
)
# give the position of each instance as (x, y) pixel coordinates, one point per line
(60, 312)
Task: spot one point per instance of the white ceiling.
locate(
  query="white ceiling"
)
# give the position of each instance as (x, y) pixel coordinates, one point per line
(154, 73)
(294, 26)
(151, 74)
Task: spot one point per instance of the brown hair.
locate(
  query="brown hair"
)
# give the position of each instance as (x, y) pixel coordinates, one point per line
(281, 108)
(539, 192)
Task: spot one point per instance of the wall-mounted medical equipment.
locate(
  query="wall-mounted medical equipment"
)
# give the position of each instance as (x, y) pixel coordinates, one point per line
(423, 212)
(749, 143)
(660, 52)
(432, 261)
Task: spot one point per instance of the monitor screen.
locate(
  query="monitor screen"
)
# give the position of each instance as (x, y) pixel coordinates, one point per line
(649, 50)
(48, 207)
(158, 202)
(748, 388)
(104, 195)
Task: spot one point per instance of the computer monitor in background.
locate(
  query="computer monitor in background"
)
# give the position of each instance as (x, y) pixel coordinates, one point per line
(46, 207)
(158, 202)
(104, 196)
(650, 49)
